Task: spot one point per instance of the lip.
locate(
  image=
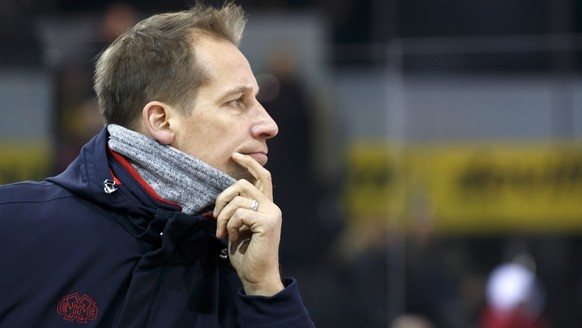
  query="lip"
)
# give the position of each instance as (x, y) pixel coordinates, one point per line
(260, 157)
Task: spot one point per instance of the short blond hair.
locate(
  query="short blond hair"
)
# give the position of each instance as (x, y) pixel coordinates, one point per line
(155, 61)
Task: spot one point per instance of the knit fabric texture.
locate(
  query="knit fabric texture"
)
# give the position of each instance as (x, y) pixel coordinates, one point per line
(174, 175)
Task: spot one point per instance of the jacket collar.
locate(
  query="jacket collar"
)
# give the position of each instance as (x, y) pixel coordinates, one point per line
(97, 176)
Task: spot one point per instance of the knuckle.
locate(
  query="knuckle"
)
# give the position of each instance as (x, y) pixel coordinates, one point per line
(246, 183)
(236, 217)
(238, 201)
(267, 175)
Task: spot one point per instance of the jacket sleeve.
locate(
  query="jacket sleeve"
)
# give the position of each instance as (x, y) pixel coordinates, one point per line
(282, 310)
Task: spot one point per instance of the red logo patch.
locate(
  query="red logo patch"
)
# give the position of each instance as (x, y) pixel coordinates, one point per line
(77, 308)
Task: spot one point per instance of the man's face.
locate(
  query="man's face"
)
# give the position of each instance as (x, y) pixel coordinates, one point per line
(226, 116)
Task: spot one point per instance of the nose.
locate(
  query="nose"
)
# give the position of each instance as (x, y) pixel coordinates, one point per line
(265, 127)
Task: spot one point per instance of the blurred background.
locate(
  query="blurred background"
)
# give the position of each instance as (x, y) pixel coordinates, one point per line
(429, 161)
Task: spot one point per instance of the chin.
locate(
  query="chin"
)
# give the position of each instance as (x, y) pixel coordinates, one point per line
(239, 174)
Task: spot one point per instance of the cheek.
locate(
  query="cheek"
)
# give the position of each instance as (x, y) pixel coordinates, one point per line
(215, 150)
(214, 140)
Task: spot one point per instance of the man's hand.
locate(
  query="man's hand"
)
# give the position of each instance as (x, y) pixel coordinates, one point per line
(254, 236)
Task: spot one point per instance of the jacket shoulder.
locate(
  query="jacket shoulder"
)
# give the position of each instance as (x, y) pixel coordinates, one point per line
(31, 192)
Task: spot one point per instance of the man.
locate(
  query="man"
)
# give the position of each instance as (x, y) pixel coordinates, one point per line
(166, 219)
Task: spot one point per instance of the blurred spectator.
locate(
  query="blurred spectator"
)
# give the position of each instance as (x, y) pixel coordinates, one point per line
(514, 298)
(118, 18)
(20, 42)
(411, 321)
(432, 287)
(290, 156)
(79, 118)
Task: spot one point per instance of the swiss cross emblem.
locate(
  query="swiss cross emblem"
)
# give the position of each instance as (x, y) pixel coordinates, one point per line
(77, 308)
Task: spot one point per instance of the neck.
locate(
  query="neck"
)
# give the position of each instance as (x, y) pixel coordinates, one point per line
(174, 175)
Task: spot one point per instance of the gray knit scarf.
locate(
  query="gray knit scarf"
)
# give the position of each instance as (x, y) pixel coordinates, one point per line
(174, 175)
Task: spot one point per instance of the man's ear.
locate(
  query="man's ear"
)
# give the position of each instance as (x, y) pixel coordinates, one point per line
(156, 121)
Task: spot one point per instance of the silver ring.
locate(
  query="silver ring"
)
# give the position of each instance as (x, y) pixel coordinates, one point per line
(254, 205)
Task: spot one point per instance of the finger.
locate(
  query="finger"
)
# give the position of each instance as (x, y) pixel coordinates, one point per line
(228, 211)
(239, 225)
(223, 214)
(236, 203)
(262, 176)
(239, 188)
(240, 240)
(240, 246)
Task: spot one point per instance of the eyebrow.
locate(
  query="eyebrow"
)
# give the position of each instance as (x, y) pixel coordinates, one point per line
(237, 90)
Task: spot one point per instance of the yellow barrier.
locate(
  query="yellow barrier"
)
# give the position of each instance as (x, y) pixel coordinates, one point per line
(24, 160)
(469, 188)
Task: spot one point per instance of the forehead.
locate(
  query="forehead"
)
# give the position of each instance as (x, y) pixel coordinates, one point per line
(217, 53)
(224, 64)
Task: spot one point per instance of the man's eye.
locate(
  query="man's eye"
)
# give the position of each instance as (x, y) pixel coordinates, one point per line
(236, 103)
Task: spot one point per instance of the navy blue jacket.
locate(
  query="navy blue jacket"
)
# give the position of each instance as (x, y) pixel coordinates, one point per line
(76, 254)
